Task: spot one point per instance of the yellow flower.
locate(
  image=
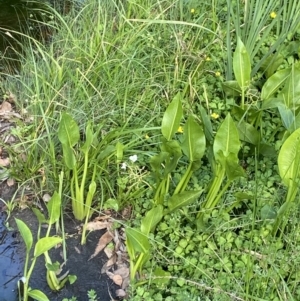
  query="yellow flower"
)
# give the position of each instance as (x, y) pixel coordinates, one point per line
(273, 15)
(208, 59)
(215, 115)
(180, 130)
(217, 74)
(192, 11)
(147, 136)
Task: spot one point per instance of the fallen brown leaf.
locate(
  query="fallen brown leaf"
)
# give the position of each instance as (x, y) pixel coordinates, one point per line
(126, 282)
(123, 272)
(97, 225)
(109, 264)
(120, 293)
(105, 239)
(117, 279)
(112, 260)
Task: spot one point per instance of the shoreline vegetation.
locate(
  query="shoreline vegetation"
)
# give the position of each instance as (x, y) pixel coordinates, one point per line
(181, 116)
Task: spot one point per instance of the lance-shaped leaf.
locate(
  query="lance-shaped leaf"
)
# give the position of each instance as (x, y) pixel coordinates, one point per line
(291, 90)
(242, 65)
(89, 137)
(45, 244)
(226, 140)
(171, 118)
(37, 295)
(174, 150)
(152, 218)
(68, 130)
(274, 83)
(69, 156)
(193, 145)
(183, 199)
(289, 159)
(53, 208)
(25, 233)
(232, 88)
(232, 167)
(247, 132)
(136, 241)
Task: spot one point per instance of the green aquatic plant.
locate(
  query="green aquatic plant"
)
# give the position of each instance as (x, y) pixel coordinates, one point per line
(42, 246)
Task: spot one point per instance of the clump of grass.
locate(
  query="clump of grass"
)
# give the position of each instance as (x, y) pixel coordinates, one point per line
(106, 67)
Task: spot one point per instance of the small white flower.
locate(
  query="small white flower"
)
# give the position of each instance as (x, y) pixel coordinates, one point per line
(123, 166)
(133, 158)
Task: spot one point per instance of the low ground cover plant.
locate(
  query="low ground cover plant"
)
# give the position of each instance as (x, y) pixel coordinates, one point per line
(188, 112)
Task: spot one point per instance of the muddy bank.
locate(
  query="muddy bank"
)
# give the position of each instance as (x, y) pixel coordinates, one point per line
(88, 271)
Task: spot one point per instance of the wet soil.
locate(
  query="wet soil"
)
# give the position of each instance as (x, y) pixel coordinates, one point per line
(12, 251)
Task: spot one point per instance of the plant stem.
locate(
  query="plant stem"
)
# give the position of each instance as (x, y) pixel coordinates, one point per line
(184, 180)
(212, 198)
(27, 277)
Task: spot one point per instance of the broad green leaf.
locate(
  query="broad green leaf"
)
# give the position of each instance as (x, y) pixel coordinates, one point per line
(296, 124)
(107, 151)
(152, 218)
(136, 241)
(227, 139)
(69, 156)
(287, 116)
(68, 130)
(193, 145)
(248, 133)
(291, 90)
(45, 244)
(268, 212)
(54, 208)
(72, 278)
(112, 204)
(171, 118)
(274, 83)
(232, 168)
(143, 258)
(163, 277)
(271, 103)
(232, 88)
(284, 208)
(174, 150)
(183, 199)
(25, 233)
(250, 111)
(267, 150)
(157, 160)
(242, 65)
(271, 64)
(37, 295)
(53, 267)
(89, 137)
(289, 159)
(243, 196)
(39, 215)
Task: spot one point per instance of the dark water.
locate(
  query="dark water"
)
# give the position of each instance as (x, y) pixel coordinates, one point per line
(11, 262)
